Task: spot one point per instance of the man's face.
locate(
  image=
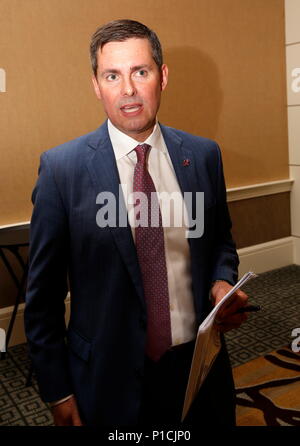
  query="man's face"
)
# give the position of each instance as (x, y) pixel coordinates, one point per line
(129, 84)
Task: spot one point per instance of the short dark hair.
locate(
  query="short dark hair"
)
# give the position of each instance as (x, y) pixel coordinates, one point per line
(120, 30)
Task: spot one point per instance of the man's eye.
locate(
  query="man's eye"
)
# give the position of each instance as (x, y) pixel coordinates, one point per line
(111, 77)
(142, 73)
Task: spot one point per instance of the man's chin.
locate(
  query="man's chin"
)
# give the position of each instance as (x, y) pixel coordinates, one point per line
(136, 130)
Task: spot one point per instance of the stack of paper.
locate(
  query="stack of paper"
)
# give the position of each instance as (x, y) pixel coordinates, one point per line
(207, 347)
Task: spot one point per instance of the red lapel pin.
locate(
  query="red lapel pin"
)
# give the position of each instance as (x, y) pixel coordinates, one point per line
(186, 162)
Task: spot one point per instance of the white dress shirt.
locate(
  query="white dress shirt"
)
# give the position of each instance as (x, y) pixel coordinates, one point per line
(177, 252)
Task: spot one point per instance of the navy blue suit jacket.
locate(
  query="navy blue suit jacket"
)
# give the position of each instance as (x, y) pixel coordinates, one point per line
(100, 357)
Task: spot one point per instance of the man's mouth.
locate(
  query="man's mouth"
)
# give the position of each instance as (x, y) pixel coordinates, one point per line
(131, 108)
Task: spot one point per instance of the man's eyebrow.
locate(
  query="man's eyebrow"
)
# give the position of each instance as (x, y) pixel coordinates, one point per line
(140, 67)
(109, 70)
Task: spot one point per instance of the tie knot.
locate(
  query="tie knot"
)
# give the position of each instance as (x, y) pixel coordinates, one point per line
(141, 152)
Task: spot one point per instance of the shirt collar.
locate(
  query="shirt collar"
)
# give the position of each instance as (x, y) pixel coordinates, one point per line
(124, 144)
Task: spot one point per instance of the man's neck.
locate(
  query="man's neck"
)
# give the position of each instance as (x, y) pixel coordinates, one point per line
(137, 136)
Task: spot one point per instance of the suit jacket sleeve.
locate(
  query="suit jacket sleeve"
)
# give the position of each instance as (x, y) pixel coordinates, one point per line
(47, 287)
(226, 260)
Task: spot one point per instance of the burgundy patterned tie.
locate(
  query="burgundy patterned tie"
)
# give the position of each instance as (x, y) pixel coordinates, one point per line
(151, 255)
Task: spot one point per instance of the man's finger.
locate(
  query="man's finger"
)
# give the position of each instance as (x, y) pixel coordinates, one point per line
(239, 300)
(77, 421)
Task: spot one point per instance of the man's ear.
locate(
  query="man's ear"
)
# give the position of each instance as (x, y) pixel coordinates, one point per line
(96, 87)
(164, 76)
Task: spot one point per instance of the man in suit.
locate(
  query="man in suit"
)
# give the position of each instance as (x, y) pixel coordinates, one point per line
(138, 291)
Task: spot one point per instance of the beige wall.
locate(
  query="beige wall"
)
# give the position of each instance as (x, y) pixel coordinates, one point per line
(293, 94)
(261, 219)
(227, 82)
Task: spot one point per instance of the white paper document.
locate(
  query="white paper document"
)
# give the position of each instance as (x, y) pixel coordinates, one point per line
(207, 347)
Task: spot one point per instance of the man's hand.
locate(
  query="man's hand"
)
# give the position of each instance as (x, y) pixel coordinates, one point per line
(66, 413)
(227, 319)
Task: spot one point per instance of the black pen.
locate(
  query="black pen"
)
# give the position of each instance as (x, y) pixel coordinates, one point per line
(249, 308)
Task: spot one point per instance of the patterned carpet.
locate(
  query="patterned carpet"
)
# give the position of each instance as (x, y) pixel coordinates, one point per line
(20, 405)
(278, 292)
(268, 390)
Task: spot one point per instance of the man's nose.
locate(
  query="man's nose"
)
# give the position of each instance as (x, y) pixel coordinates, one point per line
(128, 87)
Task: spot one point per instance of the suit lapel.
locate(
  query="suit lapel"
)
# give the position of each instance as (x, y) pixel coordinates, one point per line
(183, 162)
(102, 167)
(182, 159)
